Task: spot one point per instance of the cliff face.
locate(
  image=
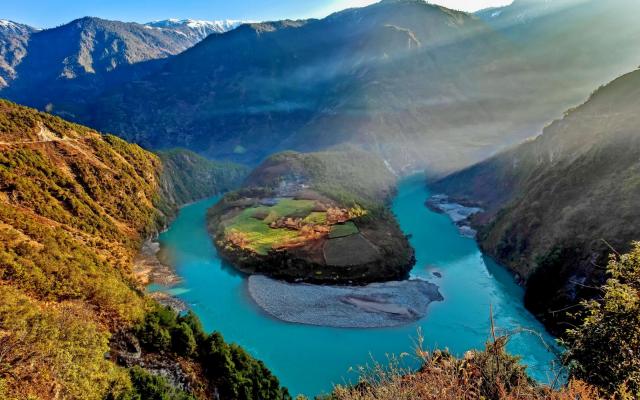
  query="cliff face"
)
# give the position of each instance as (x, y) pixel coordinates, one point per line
(558, 204)
(74, 208)
(316, 217)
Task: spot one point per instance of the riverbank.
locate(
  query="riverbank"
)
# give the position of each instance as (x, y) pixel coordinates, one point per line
(150, 268)
(309, 359)
(378, 305)
(460, 214)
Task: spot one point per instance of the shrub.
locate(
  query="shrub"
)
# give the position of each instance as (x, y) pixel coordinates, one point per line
(605, 349)
(147, 386)
(183, 342)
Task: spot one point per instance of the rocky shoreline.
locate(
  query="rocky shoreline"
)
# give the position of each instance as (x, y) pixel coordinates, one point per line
(149, 267)
(460, 214)
(377, 305)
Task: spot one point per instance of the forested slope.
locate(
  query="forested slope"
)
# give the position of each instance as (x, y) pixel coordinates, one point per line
(74, 208)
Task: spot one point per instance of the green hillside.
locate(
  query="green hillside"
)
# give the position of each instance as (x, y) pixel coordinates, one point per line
(74, 208)
(188, 176)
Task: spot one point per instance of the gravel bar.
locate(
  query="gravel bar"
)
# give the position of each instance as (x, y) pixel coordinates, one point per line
(377, 305)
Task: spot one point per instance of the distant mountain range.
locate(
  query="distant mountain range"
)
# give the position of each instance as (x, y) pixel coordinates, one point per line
(80, 58)
(422, 85)
(559, 204)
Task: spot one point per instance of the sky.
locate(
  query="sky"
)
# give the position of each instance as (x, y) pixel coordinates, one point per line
(51, 13)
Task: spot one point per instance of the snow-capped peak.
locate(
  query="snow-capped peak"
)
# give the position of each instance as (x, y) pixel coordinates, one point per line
(5, 23)
(202, 26)
(14, 27)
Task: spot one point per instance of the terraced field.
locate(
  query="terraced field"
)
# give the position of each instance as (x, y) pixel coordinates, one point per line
(285, 222)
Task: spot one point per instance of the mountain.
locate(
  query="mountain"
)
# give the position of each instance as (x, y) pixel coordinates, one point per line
(197, 29)
(578, 44)
(81, 58)
(13, 47)
(558, 204)
(75, 207)
(390, 77)
(419, 84)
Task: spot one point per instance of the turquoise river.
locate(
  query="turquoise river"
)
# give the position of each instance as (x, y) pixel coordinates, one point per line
(310, 359)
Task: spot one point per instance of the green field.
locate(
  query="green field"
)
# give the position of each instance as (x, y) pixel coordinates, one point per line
(342, 230)
(317, 218)
(260, 237)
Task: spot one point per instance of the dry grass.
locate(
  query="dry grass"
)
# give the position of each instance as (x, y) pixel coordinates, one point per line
(488, 374)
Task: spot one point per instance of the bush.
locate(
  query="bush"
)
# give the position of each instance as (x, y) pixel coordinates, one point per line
(183, 341)
(154, 331)
(491, 374)
(146, 386)
(605, 349)
(234, 373)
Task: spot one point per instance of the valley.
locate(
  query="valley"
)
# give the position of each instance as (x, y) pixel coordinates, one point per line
(252, 209)
(310, 359)
(564, 201)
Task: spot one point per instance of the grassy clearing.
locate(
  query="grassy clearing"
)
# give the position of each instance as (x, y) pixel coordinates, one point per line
(342, 230)
(293, 208)
(317, 218)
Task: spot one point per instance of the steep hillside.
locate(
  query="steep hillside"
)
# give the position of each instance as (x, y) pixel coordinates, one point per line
(81, 58)
(189, 177)
(13, 47)
(74, 208)
(557, 204)
(315, 217)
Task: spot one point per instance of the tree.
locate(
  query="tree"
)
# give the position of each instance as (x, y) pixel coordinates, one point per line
(182, 340)
(605, 349)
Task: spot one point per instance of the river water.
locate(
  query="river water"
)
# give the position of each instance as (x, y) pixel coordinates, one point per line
(309, 359)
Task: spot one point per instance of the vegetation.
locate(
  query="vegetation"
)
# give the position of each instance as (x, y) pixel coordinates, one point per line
(188, 177)
(491, 374)
(52, 351)
(558, 203)
(342, 230)
(146, 386)
(349, 176)
(228, 368)
(254, 233)
(605, 349)
(74, 208)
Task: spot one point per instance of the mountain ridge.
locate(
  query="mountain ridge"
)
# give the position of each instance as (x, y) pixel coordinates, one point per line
(419, 84)
(85, 56)
(566, 199)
